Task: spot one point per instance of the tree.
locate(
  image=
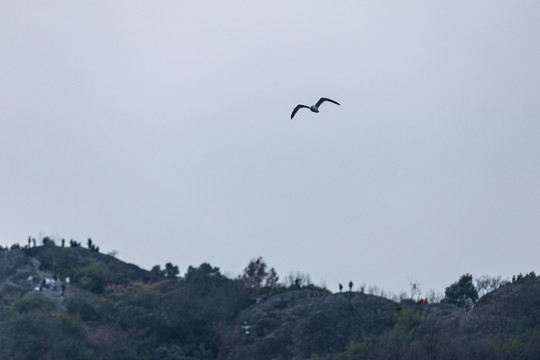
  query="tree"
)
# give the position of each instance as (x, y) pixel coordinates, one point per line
(171, 271)
(416, 290)
(254, 273)
(156, 270)
(205, 274)
(272, 279)
(256, 277)
(524, 279)
(486, 284)
(461, 293)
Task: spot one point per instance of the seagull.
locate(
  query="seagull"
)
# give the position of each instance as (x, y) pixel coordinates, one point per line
(314, 108)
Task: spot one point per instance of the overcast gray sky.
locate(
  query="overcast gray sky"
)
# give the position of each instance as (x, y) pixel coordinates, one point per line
(162, 130)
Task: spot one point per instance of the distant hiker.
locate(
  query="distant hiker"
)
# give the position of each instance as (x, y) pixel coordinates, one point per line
(425, 301)
(340, 287)
(246, 327)
(67, 281)
(63, 242)
(350, 285)
(63, 288)
(361, 290)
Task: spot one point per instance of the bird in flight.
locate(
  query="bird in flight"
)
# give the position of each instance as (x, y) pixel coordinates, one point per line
(314, 108)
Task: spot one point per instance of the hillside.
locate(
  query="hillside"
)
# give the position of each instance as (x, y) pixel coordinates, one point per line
(298, 324)
(114, 310)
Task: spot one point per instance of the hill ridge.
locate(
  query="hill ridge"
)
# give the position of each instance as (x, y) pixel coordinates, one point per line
(115, 310)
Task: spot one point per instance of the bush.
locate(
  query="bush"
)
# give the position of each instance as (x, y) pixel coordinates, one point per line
(35, 329)
(33, 305)
(82, 309)
(92, 277)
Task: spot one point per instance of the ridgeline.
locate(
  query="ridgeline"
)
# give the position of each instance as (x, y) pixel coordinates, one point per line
(75, 303)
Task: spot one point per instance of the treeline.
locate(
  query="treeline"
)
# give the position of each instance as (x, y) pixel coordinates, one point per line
(257, 276)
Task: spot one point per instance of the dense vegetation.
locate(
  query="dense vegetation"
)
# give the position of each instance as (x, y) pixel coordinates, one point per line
(114, 310)
(504, 324)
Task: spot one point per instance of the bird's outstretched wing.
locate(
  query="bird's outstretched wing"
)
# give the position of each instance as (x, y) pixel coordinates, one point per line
(298, 107)
(321, 100)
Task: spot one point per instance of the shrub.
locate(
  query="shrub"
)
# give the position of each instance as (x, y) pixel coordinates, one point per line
(461, 293)
(92, 277)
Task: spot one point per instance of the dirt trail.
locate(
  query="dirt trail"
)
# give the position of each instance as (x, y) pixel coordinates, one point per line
(54, 296)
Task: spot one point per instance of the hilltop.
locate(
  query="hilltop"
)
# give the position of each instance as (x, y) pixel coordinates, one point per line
(115, 310)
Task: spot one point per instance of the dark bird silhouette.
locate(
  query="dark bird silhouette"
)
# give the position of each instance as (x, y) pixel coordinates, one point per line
(314, 108)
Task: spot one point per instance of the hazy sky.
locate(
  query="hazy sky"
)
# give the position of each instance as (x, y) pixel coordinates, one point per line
(161, 129)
